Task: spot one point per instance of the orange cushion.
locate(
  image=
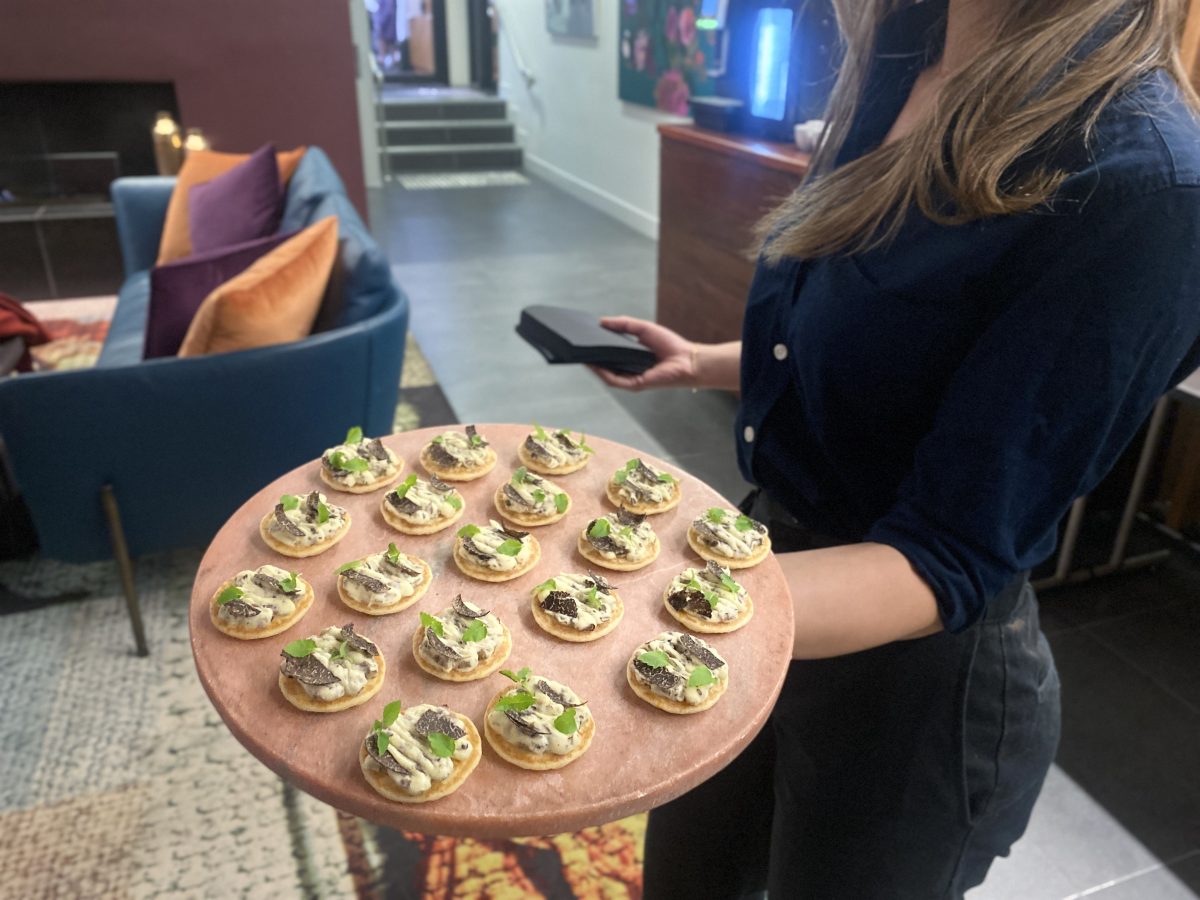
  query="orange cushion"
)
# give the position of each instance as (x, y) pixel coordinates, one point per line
(201, 166)
(272, 302)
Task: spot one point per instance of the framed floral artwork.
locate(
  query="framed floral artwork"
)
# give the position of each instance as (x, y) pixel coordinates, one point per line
(664, 57)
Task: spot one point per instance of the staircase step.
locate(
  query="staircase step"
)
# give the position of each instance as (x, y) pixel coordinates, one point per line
(410, 110)
(454, 157)
(449, 131)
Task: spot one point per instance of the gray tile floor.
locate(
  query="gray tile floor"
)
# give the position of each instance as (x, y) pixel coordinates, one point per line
(1120, 813)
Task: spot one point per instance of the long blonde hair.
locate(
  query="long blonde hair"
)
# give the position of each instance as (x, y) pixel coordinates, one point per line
(958, 164)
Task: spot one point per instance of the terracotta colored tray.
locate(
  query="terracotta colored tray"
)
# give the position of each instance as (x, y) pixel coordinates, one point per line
(640, 757)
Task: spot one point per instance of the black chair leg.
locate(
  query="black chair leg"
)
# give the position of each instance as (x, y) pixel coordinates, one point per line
(125, 565)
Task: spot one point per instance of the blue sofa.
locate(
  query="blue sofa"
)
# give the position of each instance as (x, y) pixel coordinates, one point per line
(183, 442)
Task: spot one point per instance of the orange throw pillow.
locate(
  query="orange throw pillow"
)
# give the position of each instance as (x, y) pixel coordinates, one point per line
(201, 166)
(272, 302)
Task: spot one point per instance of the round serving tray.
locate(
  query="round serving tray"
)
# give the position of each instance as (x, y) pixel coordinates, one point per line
(640, 757)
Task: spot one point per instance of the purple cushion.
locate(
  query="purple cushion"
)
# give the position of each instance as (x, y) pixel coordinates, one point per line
(178, 288)
(243, 204)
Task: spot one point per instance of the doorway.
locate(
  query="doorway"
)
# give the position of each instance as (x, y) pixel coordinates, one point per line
(408, 40)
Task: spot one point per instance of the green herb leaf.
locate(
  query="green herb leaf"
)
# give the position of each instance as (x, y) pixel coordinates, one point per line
(476, 440)
(712, 598)
(632, 464)
(290, 502)
(354, 464)
(565, 724)
(510, 548)
(345, 567)
(539, 495)
(476, 631)
(599, 529)
(322, 513)
(381, 742)
(655, 659)
(560, 502)
(592, 599)
(337, 459)
(433, 624)
(716, 515)
(520, 475)
(730, 584)
(407, 483)
(519, 677)
(391, 713)
(619, 476)
(468, 531)
(290, 584)
(454, 500)
(301, 648)
(743, 523)
(583, 445)
(441, 744)
(695, 585)
(437, 440)
(341, 651)
(701, 675)
(393, 553)
(539, 432)
(626, 532)
(516, 702)
(354, 436)
(230, 593)
(547, 585)
(666, 477)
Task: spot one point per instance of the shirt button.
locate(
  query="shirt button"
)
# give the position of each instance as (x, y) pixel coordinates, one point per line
(748, 434)
(780, 352)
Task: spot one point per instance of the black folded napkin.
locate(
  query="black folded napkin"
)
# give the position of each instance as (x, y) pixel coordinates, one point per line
(573, 336)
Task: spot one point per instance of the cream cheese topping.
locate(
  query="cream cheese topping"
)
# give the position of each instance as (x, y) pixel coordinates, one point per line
(685, 653)
(637, 482)
(630, 539)
(555, 450)
(450, 652)
(410, 750)
(482, 547)
(352, 671)
(730, 533)
(427, 501)
(398, 579)
(582, 602)
(460, 450)
(305, 528)
(706, 590)
(262, 592)
(535, 730)
(531, 495)
(370, 451)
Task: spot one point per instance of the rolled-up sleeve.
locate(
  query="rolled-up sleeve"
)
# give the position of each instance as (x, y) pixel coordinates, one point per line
(1094, 332)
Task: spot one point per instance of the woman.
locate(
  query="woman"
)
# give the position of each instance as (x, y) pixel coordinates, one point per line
(957, 324)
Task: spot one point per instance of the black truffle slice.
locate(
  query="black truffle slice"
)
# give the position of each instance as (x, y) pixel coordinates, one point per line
(240, 609)
(437, 646)
(402, 503)
(644, 472)
(326, 463)
(285, 523)
(707, 533)
(311, 506)
(607, 544)
(557, 697)
(693, 649)
(384, 759)
(515, 498)
(435, 720)
(625, 517)
(600, 582)
(562, 603)
(567, 444)
(472, 433)
(716, 570)
(440, 486)
(442, 456)
(656, 677)
(522, 725)
(374, 450)
(402, 568)
(472, 549)
(357, 641)
(513, 533)
(374, 585)
(267, 583)
(306, 670)
(536, 450)
(464, 610)
(692, 602)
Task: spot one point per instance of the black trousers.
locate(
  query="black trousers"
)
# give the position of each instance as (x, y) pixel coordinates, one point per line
(898, 772)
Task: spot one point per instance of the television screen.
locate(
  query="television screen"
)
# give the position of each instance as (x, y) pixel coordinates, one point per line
(772, 48)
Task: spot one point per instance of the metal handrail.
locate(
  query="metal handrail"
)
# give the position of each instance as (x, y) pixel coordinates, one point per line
(526, 72)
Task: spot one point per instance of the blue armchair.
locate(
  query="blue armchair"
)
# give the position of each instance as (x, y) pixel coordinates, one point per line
(176, 445)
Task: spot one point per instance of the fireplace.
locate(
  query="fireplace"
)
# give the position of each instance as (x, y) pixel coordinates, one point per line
(61, 146)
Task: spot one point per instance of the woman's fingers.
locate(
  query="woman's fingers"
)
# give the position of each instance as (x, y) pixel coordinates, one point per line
(612, 379)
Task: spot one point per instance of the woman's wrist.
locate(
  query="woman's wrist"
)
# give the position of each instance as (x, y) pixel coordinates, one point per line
(715, 366)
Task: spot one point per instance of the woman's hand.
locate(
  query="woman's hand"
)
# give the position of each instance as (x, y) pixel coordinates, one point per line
(676, 366)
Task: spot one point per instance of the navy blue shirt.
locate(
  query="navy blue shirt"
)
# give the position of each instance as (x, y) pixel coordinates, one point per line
(951, 394)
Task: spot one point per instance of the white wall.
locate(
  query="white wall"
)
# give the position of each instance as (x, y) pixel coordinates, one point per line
(368, 120)
(575, 131)
(458, 43)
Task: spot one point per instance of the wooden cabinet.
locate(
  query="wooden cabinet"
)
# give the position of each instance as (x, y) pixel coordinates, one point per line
(713, 189)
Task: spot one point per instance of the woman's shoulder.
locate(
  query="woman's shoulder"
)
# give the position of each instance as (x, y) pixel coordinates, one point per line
(1145, 141)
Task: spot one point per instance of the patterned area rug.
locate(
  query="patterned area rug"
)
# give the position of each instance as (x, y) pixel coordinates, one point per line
(119, 779)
